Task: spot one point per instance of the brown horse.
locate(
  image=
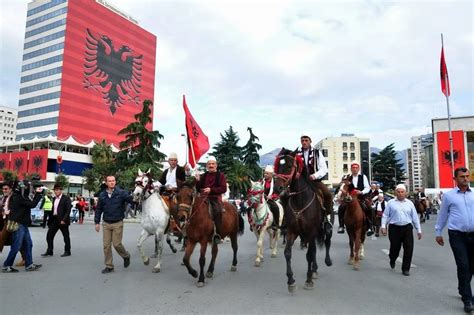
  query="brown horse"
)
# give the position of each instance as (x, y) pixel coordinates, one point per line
(354, 219)
(303, 214)
(421, 206)
(198, 227)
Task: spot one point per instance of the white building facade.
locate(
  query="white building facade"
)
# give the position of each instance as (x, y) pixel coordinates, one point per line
(8, 120)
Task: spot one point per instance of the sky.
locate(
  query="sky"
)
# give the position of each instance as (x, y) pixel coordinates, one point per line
(284, 68)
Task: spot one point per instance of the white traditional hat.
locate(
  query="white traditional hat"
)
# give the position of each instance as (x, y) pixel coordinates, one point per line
(401, 186)
(269, 169)
(211, 158)
(306, 135)
(172, 155)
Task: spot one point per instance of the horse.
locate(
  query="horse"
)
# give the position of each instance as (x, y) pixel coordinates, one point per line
(154, 219)
(261, 220)
(354, 219)
(303, 211)
(198, 227)
(421, 206)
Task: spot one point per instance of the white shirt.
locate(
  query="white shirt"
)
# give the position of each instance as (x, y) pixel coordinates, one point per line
(322, 167)
(355, 179)
(401, 213)
(171, 178)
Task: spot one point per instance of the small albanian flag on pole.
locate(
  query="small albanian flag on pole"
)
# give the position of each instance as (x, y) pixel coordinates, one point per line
(444, 75)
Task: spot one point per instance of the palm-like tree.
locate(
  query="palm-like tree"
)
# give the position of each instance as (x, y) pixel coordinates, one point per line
(102, 153)
(238, 179)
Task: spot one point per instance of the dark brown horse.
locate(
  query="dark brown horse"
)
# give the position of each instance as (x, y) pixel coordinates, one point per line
(354, 219)
(421, 206)
(303, 214)
(198, 227)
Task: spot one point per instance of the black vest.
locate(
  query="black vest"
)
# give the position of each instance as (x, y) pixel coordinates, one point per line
(360, 182)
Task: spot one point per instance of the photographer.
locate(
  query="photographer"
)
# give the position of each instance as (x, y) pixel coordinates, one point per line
(19, 209)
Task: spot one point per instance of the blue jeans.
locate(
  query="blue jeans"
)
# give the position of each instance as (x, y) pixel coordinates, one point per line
(462, 246)
(21, 238)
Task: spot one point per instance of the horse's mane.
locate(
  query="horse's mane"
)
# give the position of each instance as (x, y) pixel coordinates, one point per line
(284, 151)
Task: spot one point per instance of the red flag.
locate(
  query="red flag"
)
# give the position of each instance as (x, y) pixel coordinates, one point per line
(444, 75)
(198, 143)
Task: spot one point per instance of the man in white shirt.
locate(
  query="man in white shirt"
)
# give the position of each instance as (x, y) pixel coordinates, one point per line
(400, 214)
(174, 176)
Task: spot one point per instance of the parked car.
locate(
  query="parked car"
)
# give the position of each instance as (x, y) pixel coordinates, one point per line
(37, 214)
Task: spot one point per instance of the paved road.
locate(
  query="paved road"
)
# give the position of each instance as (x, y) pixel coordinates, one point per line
(74, 285)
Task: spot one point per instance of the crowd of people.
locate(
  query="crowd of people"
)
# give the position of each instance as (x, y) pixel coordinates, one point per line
(396, 218)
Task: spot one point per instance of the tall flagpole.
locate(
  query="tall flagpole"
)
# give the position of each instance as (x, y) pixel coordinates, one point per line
(446, 84)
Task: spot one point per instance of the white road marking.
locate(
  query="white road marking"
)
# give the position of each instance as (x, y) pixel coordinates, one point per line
(386, 251)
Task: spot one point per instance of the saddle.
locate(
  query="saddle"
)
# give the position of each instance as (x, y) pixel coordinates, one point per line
(276, 213)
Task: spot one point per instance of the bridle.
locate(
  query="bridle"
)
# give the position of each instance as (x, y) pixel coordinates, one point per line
(147, 190)
(295, 171)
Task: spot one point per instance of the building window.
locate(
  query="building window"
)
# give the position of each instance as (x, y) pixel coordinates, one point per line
(43, 40)
(41, 74)
(37, 123)
(39, 110)
(352, 146)
(344, 156)
(41, 63)
(45, 28)
(344, 146)
(41, 86)
(45, 17)
(45, 7)
(345, 169)
(39, 98)
(43, 51)
(353, 156)
(325, 152)
(41, 134)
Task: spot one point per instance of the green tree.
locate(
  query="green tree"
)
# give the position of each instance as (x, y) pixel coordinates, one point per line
(141, 144)
(227, 151)
(387, 169)
(250, 156)
(238, 179)
(62, 180)
(9, 176)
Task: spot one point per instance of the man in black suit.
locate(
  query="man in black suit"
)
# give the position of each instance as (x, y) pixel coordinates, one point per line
(59, 220)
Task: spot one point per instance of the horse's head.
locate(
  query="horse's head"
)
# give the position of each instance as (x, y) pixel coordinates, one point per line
(255, 194)
(288, 166)
(346, 190)
(184, 198)
(143, 183)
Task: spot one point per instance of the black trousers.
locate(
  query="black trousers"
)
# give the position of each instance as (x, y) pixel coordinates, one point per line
(53, 229)
(462, 245)
(401, 235)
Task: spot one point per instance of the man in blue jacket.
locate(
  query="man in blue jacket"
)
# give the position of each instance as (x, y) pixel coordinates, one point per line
(111, 206)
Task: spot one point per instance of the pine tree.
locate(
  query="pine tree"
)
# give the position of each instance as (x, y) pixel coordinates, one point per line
(227, 151)
(386, 168)
(250, 156)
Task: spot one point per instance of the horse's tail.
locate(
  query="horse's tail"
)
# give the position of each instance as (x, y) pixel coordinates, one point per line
(241, 225)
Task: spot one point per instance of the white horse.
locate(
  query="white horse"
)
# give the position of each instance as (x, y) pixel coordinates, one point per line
(155, 216)
(261, 220)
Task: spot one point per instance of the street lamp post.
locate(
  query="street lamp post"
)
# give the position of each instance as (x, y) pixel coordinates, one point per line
(395, 172)
(372, 170)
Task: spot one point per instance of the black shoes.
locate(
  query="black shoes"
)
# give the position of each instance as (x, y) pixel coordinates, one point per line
(47, 254)
(340, 230)
(406, 273)
(392, 265)
(9, 269)
(370, 232)
(468, 308)
(66, 254)
(33, 267)
(108, 270)
(126, 261)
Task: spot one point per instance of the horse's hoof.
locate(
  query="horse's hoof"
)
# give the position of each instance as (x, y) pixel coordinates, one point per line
(257, 264)
(183, 264)
(146, 261)
(361, 256)
(315, 275)
(356, 266)
(292, 288)
(308, 286)
(233, 268)
(154, 256)
(194, 274)
(209, 275)
(156, 270)
(273, 255)
(350, 261)
(328, 262)
(200, 284)
(174, 250)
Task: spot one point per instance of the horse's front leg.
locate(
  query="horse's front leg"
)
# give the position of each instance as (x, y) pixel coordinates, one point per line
(235, 247)
(327, 242)
(210, 270)
(274, 237)
(357, 243)
(159, 234)
(143, 236)
(168, 241)
(351, 246)
(290, 239)
(260, 237)
(202, 263)
(310, 259)
(187, 256)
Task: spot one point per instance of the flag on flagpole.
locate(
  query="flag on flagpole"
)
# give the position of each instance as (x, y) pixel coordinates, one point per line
(444, 75)
(198, 143)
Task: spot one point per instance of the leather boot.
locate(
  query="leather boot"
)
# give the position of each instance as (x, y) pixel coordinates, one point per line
(216, 238)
